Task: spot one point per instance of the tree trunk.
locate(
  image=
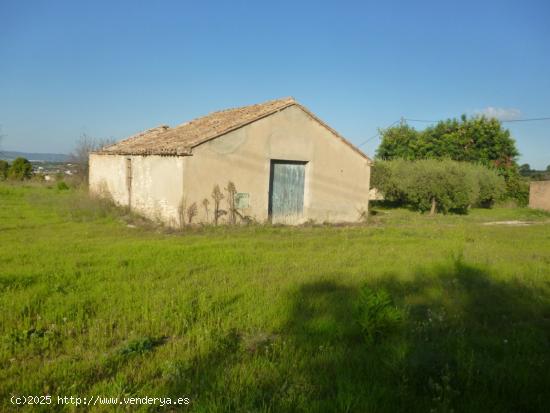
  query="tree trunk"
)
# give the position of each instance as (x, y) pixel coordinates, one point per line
(432, 210)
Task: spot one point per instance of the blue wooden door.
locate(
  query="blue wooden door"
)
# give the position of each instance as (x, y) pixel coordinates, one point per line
(286, 195)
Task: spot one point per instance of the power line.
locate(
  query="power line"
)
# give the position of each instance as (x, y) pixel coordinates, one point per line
(378, 134)
(435, 121)
(420, 120)
(526, 120)
(502, 121)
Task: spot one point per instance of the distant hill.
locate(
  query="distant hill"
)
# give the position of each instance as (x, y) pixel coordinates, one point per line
(37, 157)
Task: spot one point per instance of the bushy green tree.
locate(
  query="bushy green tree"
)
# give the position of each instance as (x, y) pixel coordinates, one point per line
(384, 178)
(437, 185)
(517, 187)
(400, 142)
(20, 169)
(492, 186)
(478, 140)
(4, 168)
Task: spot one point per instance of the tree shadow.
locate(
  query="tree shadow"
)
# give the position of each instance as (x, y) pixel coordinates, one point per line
(476, 341)
(340, 371)
(469, 341)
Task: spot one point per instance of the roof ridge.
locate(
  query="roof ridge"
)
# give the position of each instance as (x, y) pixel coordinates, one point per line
(286, 99)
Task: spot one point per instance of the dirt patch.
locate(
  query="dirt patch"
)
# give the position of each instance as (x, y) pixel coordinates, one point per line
(513, 223)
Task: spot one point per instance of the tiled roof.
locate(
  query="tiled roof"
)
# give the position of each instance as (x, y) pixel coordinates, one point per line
(181, 139)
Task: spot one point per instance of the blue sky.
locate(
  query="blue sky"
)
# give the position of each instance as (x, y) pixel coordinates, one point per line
(110, 69)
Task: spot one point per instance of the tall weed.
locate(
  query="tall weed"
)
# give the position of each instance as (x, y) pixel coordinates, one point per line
(377, 314)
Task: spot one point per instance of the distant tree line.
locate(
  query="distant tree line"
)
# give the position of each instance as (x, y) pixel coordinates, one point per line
(21, 169)
(475, 140)
(534, 174)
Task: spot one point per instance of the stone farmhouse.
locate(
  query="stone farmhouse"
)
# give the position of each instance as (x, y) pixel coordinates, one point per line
(272, 162)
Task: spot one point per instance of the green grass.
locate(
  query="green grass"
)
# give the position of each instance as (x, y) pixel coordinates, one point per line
(406, 313)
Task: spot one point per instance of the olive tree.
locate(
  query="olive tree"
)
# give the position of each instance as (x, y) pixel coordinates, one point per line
(437, 185)
(492, 186)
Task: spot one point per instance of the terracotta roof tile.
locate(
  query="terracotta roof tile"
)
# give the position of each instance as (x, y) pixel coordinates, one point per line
(181, 139)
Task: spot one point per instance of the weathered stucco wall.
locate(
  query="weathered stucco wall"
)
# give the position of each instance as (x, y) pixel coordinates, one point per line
(156, 185)
(539, 195)
(336, 176)
(108, 177)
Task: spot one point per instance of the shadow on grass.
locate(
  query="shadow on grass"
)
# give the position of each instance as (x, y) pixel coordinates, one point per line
(467, 343)
(336, 368)
(474, 343)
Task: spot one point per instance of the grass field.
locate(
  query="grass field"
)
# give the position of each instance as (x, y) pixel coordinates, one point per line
(407, 313)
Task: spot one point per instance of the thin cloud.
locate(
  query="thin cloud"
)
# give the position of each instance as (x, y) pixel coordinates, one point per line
(499, 113)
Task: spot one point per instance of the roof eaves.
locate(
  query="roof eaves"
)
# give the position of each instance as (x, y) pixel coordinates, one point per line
(186, 151)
